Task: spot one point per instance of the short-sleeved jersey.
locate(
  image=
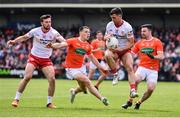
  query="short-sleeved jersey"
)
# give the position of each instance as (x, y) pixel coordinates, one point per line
(40, 40)
(98, 44)
(76, 51)
(122, 33)
(153, 46)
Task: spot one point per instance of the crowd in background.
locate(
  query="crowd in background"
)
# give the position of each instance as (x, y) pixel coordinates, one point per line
(15, 57)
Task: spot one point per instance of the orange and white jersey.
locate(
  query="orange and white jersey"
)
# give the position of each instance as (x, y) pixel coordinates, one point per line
(76, 52)
(98, 44)
(153, 46)
(122, 33)
(40, 40)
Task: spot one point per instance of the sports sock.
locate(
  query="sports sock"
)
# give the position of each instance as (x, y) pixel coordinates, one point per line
(113, 71)
(49, 99)
(18, 95)
(133, 86)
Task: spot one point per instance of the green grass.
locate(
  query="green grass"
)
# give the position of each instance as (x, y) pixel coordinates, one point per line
(165, 101)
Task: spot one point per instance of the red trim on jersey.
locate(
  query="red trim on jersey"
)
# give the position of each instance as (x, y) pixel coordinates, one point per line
(118, 25)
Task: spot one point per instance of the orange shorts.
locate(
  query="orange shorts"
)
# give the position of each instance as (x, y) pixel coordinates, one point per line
(39, 62)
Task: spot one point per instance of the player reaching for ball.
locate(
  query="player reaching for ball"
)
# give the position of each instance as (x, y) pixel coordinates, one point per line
(77, 48)
(123, 31)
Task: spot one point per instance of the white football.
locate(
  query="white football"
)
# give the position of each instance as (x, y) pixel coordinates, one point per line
(112, 43)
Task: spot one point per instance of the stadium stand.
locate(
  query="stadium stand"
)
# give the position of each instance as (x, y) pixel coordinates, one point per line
(15, 57)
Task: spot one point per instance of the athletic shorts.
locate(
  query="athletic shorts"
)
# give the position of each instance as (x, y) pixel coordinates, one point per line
(151, 76)
(103, 64)
(71, 73)
(38, 62)
(120, 54)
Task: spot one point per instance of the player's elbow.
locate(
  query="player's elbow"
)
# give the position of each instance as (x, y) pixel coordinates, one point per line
(162, 57)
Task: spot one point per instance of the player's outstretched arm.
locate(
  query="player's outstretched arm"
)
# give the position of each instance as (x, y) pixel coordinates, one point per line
(18, 40)
(95, 61)
(57, 45)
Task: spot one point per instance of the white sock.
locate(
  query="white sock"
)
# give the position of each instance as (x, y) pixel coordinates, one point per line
(18, 95)
(49, 99)
(102, 98)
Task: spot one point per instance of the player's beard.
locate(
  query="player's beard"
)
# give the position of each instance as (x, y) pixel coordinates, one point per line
(47, 28)
(143, 36)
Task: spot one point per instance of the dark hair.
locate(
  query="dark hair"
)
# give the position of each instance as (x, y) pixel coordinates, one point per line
(45, 16)
(149, 26)
(98, 32)
(117, 11)
(83, 27)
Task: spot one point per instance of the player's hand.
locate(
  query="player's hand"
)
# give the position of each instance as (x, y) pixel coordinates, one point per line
(116, 50)
(107, 36)
(11, 43)
(49, 45)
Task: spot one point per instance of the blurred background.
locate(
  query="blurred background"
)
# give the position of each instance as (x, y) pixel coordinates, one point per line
(17, 17)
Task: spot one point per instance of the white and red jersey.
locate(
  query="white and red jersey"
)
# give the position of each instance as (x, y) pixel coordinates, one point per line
(122, 33)
(40, 40)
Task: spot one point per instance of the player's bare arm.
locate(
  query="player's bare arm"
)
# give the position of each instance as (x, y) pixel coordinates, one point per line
(159, 56)
(107, 36)
(129, 45)
(57, 45)
(18, 40)
(60, 38)
(95, 61)
(95, 50)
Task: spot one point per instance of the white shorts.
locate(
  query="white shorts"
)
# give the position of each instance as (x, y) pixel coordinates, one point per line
(71, 73)
(151, 76)
(103, 64)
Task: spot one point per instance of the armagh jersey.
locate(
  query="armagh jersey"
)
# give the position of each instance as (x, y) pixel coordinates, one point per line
(152, 46)
(98, 44)
(122, 33)
(76, 51)
(40, 39)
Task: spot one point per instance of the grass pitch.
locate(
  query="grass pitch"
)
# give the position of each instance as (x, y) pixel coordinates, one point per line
(165, 101)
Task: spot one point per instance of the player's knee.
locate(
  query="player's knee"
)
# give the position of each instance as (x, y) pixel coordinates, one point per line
(108, 54)
(51, 79)
(129, 69)
(27, 77)
(150, 89)
(87, 82)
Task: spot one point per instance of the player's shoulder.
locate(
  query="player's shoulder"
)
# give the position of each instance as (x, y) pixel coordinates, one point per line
(94, 40)
(127, 24)
(36, 29)
(72, 39)
(139, 42)
(110, 24)
(157, 40)
(54, 31)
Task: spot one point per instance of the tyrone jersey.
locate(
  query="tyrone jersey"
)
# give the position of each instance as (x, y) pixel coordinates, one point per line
(122, 33)
(152, 46)
(40, 40)
(98, 44)
(76, 51)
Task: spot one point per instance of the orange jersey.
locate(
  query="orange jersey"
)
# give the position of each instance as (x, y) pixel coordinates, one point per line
(98, 44)
(76, 51)
(153, 46)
